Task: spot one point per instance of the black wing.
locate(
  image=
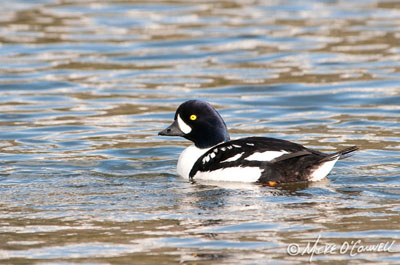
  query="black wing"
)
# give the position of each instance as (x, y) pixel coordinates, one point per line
(235, 152)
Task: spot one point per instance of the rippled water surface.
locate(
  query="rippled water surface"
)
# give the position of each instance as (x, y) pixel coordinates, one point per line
(86, 85)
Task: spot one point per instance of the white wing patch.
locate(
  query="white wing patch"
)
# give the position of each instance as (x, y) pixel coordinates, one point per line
(233, 158)
(266, 156)
(242, 174)
(208, 157)
(183, 126)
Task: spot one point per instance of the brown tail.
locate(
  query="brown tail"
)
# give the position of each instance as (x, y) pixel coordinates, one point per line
(341, 154)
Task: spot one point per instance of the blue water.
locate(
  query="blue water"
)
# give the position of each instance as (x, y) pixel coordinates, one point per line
(85, 86)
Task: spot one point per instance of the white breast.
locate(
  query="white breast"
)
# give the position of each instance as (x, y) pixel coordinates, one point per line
(187, 159)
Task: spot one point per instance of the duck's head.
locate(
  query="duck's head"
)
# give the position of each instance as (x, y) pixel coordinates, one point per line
(198, 122)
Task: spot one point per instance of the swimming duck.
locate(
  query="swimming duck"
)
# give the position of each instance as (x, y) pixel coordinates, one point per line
(213, 156)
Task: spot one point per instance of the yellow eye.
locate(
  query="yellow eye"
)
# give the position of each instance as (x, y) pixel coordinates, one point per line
(193, 117)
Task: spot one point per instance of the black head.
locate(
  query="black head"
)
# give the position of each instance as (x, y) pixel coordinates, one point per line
(198, 122)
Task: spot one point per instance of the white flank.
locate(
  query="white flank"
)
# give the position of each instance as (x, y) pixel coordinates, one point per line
(242, 174)
(233, 158)
(183, 126)
(187, 159)
(323, 170)
(265, 156)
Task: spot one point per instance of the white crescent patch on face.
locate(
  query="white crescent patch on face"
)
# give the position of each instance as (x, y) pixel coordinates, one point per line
(183, 126)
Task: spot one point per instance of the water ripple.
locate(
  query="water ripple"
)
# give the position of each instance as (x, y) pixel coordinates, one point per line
(86, 86)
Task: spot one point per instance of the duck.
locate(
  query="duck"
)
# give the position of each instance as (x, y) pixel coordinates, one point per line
(214, 156)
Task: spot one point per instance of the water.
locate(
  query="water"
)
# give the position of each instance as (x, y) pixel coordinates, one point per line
(86, 85)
